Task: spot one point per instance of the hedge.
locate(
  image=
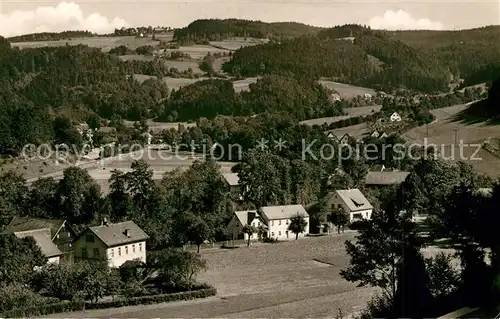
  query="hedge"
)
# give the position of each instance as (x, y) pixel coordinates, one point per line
(69, 306)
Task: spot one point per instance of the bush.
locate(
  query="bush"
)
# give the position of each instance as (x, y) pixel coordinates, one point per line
(69, 306)
(18, 295)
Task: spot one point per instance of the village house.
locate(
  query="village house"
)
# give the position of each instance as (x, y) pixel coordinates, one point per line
(335, 97)
(332, 136)
(42, 240)
(116, 243)
(353, 202)
(395, 117)
(57, 231)
(233, 181)
(344, 140)
(367, 96)
(241, 219)
(277, 219)
(385, 178)
(375, 134)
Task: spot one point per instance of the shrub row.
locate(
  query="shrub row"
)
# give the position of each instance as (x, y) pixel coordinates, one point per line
(70, 306)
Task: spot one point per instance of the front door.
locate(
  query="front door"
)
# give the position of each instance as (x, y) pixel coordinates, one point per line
(287, 234)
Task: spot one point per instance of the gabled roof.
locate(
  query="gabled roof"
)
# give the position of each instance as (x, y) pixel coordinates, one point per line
(246, 217)
(385, 178)
(283, 212)
(21, 224)
(43, 240)
(114, 234)
(354, 199)
(232, 179)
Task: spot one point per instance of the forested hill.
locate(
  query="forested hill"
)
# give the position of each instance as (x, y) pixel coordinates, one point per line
(370, 60)
(473, 54)
(51, 36)
(217, 29)
(43, 90)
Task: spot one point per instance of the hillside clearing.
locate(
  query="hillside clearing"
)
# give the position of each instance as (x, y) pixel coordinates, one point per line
(347, 91)
(442, 133)
(237, 43)
(351, 112)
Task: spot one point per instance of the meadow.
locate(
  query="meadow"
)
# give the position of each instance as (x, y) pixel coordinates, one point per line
(293, 279)
(347, 91)
(351, 112)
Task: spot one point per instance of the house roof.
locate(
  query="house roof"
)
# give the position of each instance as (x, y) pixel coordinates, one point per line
(21, 224)
(385, 177)
(43, 240)
(283, 212)
(114, 234)
(354, 199)
(484, 191)
(246, 217)
(232, 179)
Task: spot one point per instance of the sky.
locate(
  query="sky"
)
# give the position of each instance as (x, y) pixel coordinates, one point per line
(30, 16)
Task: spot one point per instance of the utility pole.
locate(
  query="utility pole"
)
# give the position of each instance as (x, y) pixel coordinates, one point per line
(427, 130)
(456, 136)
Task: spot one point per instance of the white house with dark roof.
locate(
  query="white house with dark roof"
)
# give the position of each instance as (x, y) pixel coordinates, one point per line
(395, 117)
(277, 219)
(116, 243)
(43, 240)
(353, 202)
(242, 218)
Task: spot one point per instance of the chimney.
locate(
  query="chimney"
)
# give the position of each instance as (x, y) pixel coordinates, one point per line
(126, 232)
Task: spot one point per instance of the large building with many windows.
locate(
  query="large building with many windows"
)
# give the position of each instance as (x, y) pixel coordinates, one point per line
(116, 243)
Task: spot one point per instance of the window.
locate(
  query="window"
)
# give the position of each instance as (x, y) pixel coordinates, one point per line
(287, 221)
(112, 253)
(140, 247)
(272, 222)
(333, 206)
(69, 234)
(339, 205)
(57, 236)
(97, 254)
(133, 248)
(126, 250)
(89, 238)
(279, 233)
(84, 252)
(119, 251)
(279, 223)
(272, 234)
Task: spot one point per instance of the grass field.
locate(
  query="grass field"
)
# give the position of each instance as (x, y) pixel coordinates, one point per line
(104, 43)
(347, 91)
(238, 42)
(442, 133)
(101, 170)
(295, 279)
(351, 112)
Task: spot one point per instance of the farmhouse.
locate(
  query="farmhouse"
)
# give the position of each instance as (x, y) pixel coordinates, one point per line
(233, 181)
(368, 96)
(335, 97)
(42, 239)
(344, 140)
(242, 218)
(385, 178)
(395, 117)
(353, 202)
(59, 233)
(277, 219)
(375, 134)
(332, 136)
(116, 243)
